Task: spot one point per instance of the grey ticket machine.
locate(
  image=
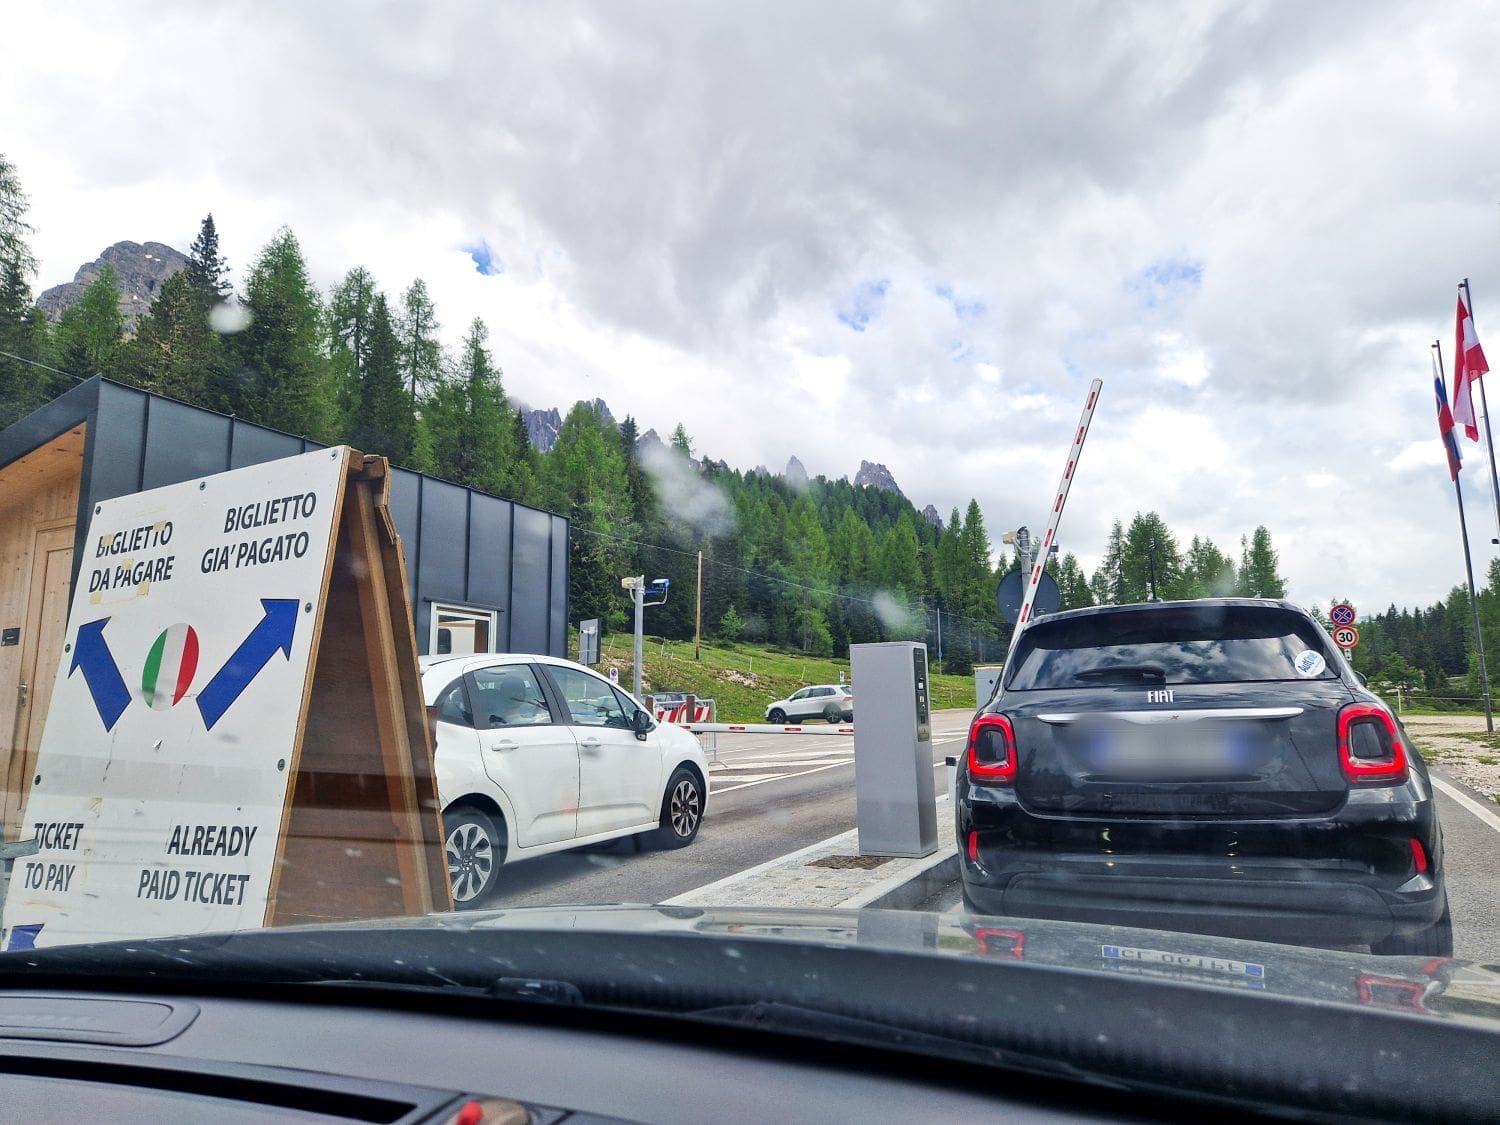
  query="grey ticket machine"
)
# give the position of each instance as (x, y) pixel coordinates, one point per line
(893, 772)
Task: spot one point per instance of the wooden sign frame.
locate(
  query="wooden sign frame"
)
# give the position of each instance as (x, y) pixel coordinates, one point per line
(361, 832)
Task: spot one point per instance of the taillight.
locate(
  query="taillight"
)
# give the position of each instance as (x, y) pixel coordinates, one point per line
(1387, 992)
(1418, 856)
(1369, 746)
(992, 749)
(1001, 943)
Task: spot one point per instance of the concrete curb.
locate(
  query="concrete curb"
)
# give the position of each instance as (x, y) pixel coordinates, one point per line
(910, 888)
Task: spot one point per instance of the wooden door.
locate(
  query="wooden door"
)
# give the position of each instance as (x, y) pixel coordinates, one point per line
(46, 625)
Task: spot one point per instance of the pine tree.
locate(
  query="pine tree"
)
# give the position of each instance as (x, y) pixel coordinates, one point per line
(583, 478)
(15, 231)
(91, 331)
(731, 625)
(421, 353)
(382, 420)
(1150, 551)
(24, 386)
(1108, 582)
(1209, 570)
(470, 418)
(281, 370)
(1258, 567)
(351, 311)
(207, 271)
(23, 328)
(1073, 587)
(174, 351)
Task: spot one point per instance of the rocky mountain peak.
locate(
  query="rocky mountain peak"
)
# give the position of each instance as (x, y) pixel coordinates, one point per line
(874, 475)
(142, 267)
(930, 514)
(796, 472)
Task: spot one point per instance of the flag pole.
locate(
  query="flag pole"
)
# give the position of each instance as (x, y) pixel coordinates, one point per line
(1484, 405)
(1463, 527)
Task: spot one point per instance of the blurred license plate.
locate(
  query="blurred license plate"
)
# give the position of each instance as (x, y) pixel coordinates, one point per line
(1195, 751)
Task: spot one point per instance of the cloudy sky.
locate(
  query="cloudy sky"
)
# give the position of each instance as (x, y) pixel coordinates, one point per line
(905, 232)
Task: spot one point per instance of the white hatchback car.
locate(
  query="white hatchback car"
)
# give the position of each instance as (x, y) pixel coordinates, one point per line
(536, 755)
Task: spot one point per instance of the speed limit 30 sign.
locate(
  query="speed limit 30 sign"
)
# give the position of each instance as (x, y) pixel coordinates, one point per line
(1346, 636)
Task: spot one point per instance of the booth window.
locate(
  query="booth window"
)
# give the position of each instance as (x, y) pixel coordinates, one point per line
(459, 631)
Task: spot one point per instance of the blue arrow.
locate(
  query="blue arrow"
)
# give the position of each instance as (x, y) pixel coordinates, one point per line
(273, 633)
(100, 672)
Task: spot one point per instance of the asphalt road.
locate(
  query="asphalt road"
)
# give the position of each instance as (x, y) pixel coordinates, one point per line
(768, 795)
(1471, 853)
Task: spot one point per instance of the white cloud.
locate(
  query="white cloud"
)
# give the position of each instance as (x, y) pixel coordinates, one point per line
(1247, 219)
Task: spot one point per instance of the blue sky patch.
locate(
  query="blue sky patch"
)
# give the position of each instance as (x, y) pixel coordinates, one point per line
(1164, 280)
(864, 303)
(485, 261)
(965, 308)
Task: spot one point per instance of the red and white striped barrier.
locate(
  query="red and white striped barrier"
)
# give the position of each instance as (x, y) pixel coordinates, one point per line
(765, 728)
(702, 712)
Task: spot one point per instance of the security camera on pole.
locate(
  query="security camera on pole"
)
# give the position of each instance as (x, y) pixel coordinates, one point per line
(640, 589)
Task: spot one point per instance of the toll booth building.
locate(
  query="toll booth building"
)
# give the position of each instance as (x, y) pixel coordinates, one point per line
(485, 574)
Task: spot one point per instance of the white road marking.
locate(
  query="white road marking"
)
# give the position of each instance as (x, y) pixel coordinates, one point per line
(762, 764)
(778, 777)
(723, 778)
(1468, 802)
(800, 773)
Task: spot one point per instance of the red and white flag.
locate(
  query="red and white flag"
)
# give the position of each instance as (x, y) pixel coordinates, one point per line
(1468, 365)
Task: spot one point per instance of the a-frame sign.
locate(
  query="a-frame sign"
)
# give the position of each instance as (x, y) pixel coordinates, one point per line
(236, 736)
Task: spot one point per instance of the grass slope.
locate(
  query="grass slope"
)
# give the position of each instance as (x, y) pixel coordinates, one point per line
(742, 679)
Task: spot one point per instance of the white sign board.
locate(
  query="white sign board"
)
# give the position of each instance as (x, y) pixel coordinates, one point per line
(162, 776)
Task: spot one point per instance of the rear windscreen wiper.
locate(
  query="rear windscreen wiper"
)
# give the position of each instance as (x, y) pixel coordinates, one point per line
(1130, 673)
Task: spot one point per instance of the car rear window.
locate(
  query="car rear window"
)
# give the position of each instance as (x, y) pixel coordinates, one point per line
(1193, 645)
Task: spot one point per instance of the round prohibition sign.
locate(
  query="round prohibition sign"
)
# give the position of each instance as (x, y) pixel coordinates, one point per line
(1342, 614)
(1346, 636)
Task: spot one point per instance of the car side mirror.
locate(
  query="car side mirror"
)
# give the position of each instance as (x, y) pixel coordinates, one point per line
(641, 722)
(1363, 680)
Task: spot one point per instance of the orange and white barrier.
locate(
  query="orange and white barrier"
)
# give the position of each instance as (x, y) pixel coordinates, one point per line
(768, 728)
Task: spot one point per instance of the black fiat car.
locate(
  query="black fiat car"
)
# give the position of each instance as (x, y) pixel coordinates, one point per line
(1211, 766)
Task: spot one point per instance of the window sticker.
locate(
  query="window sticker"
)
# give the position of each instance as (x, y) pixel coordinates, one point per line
(1309, 663)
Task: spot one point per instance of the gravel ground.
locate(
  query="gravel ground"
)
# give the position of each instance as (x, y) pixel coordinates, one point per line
(1461, 746)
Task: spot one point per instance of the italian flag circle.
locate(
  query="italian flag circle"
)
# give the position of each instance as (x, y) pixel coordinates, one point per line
(169, 667)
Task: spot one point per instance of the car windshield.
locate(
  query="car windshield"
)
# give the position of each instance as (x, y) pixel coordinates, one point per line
(458, 463)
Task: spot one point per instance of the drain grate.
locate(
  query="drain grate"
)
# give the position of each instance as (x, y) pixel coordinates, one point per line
(848, 862)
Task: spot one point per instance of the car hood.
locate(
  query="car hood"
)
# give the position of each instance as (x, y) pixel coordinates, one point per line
(1435, 988)
(1438, 987)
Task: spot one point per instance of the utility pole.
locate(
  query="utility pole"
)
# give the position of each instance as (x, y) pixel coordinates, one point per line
(698, 614)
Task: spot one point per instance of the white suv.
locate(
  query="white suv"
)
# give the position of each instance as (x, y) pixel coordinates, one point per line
(536, 754)
(833, 703)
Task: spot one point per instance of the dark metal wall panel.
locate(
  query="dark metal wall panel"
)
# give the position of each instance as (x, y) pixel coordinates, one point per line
(441, 539)
(182, 442)
(530, 598)
(254, 445)
(117, 444)
(489, 554)
(557, 624)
